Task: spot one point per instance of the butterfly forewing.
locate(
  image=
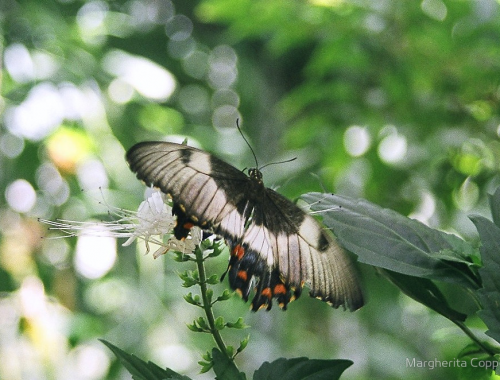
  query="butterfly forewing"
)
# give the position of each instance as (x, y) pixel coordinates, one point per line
(274, 243)
(187, 175)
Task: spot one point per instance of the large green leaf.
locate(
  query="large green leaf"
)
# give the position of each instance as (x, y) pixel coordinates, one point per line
(489, 295)
(140, 370)
(224, 368)
(386, 239)
(494, 201)
(426, 292)
(302, 369)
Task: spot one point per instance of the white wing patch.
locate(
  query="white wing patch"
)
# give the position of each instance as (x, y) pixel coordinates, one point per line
(310, 231)
(201, 162)
(257, 238)
(233, 223)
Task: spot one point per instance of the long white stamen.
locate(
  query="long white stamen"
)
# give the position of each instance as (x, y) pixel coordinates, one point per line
(152, 221)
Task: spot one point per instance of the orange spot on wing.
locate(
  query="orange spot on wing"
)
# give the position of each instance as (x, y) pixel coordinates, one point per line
(266, 292)
(243, 275)
(238, 251)
(188, 225)
(280, 289)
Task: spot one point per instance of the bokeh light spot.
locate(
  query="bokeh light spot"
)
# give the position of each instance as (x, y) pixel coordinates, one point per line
(425, 209)
(38, 115)
(107, 295)
(67, 148)
(20, 195)
(56, 252)
(18, 63)
(357, 140)
(91, 362)
(11, 146)
(193, 99)
(120, 91)
(466, 197)
(196, 64)
(92, 175)
(179, 28)
(49, 180)
(225, 117)
(435, 9)
(181, 49)
(145, 76)
(95, 255)
(176, 356)
(45, 65)
(392, 149)
(90, 19)
(225, 96)
(32, 296)
(222, 67)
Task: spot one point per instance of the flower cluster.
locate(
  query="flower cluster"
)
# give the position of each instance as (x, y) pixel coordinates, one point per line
(153, 222)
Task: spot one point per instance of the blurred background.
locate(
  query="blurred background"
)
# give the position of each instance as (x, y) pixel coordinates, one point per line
(393, 101)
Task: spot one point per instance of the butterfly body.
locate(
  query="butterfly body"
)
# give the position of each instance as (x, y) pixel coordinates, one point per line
(274, 244)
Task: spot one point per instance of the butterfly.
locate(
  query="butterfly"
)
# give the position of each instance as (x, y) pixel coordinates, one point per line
(275, 246)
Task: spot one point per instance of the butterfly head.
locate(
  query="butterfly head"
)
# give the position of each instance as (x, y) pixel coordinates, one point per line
(255, 175)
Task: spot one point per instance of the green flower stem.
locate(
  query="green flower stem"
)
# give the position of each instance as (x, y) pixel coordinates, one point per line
(207, 304)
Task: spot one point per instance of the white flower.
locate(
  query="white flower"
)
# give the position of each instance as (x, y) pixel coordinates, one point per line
(154, 217)
(185, 246)
(152, 221)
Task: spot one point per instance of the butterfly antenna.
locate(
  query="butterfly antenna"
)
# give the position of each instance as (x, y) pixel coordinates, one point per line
(279, 162)
(242, 135)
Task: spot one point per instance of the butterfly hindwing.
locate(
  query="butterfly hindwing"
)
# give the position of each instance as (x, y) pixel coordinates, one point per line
(275, 246)
(295, 243)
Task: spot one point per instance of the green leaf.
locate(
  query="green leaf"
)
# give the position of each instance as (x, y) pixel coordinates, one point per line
(210, 295)
(193, 300)
(219, 323)
(195, 275)
(218, 248)
(206, 247)
(202, 323)
(230, 351)
(226, 294)
(243, 344)
(189, 278)
(139, 369)
(194, 327)
(239, 324)
(489, 295)
(472, 354)
(424, 291)
(386, 239)
(302, 368)
(494, 201)
(207, 356)
(181, 257)
(213, 279)
(224, 368)
(205, 366)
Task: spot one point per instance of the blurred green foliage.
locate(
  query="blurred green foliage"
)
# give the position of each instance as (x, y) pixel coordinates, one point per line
(396, 102)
